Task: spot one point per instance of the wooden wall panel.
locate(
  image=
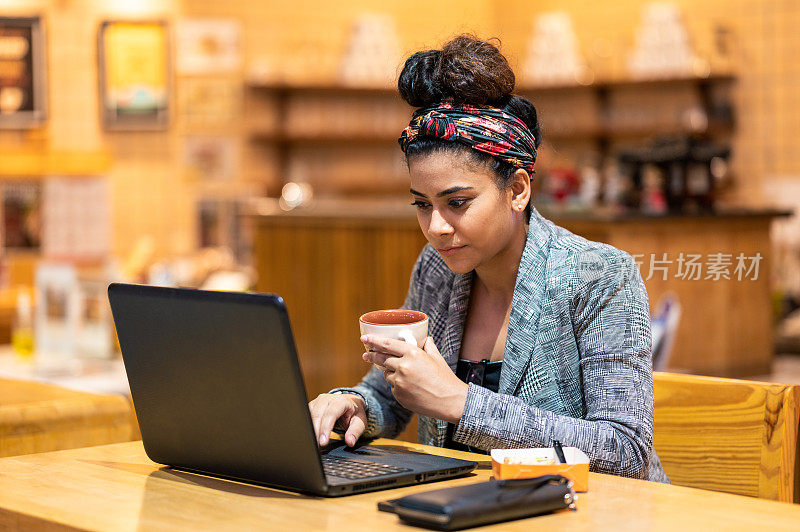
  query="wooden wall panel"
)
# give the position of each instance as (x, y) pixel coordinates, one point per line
(726, 325)
(329, 273)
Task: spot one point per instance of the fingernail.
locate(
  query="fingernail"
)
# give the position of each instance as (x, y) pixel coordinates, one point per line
(323, 439)
(365, 338)
(364, 356)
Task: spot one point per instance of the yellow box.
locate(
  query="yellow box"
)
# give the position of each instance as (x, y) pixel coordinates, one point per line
(523, 465)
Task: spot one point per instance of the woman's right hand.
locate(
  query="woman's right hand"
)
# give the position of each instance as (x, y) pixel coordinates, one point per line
(345, 411)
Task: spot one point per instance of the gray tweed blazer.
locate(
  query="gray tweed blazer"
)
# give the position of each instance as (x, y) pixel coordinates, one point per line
(577, 363)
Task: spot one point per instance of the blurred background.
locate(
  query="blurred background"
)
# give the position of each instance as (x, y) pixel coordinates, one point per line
(245, 145)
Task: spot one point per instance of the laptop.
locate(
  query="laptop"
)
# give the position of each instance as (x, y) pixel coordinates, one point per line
(217, 389)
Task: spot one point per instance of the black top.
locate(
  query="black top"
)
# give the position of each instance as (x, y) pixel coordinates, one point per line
(483, 373)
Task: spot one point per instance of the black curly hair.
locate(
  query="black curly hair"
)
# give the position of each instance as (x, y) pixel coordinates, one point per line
(467, 70)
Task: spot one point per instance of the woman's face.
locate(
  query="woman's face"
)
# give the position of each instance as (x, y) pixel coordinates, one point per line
(461, 210)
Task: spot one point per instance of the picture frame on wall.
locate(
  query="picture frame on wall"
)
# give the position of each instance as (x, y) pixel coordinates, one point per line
(209, 157)
(23, 84)
(134, 75)
(207, 46)
(21, 208)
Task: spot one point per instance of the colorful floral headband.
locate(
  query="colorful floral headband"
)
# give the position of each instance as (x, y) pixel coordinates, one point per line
(483, 128)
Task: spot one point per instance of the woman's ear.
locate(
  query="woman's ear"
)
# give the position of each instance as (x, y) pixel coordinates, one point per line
(520, 190)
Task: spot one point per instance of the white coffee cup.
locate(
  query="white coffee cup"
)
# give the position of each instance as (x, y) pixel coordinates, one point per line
(410, 326)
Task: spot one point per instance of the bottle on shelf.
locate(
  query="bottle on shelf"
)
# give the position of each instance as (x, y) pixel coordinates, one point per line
(22, 328)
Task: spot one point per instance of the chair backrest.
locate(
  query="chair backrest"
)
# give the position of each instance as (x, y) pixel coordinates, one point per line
(728, 435)
(664, 326)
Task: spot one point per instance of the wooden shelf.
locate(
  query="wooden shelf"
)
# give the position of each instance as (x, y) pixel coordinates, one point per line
(284, 100)
(597, 133)
(629, 83)
(322, 138)
(31, 165)
(323, 88)
(612, 132)
(597, 85)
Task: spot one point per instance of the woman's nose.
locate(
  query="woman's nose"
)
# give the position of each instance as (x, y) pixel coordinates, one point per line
(439, 225)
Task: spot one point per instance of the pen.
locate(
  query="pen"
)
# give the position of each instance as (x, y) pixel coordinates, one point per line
(559, 452)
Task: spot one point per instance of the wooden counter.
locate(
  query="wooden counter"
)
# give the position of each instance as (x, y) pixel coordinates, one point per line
(332, 264)
(333, 261)
(726, 324)
(116, 488)
(36, 417)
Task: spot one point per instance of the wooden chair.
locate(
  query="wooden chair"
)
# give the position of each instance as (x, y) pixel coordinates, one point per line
(664, 325)
(729, 435)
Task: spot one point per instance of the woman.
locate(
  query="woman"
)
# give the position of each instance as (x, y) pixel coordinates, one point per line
(536, 334)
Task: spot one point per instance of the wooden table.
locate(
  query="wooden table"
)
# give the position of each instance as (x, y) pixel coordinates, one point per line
(115, 487)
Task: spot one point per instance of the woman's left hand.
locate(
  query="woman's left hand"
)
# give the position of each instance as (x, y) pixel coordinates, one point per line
(420, 379)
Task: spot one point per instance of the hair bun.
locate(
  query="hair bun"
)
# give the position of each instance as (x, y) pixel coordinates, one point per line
(466, 70)
(419, 81)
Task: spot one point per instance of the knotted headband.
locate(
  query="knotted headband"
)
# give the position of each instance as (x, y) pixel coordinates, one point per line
(482, 128)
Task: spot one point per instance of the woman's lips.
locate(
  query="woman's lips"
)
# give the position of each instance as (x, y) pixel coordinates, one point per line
(446, 252)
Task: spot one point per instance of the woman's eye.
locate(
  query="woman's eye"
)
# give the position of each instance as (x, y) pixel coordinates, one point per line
(457, 203)
(422, 205)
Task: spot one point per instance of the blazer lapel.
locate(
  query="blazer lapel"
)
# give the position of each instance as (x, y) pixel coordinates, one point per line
(456, 317)
(454, 331)
(526, 305)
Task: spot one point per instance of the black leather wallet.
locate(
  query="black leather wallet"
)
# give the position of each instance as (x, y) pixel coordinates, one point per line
(484, 502)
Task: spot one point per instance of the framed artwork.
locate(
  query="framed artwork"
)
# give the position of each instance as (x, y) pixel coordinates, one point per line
(22, 220)
(210, 158)
(23, 90)
(208, 102)
(207, 46)
(70, 232)
(134, 74)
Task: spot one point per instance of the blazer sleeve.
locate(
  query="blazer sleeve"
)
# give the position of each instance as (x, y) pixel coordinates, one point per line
(386, 417)
(612, 332)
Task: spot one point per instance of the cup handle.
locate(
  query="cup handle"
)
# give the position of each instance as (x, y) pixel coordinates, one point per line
(405, 334)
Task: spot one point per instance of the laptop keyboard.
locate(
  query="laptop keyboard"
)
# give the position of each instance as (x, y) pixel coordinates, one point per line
(353, 468)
